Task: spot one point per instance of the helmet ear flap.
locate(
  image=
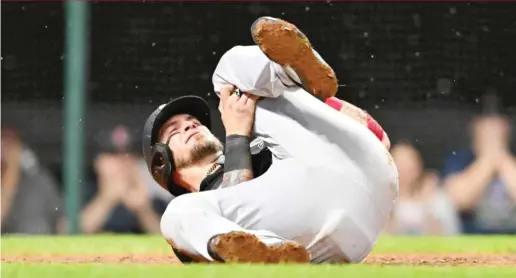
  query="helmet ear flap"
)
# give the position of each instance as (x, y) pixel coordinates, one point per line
(162, 164)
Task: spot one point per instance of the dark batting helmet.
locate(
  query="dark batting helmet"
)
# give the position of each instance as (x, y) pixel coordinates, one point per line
(158, 156)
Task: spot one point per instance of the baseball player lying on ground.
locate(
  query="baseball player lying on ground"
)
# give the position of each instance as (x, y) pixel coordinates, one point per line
(329, 189)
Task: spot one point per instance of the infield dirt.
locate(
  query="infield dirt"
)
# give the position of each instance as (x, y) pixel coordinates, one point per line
(376, 259)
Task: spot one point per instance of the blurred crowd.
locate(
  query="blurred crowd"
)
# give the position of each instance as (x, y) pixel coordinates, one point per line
(118, 194)
(473, 193)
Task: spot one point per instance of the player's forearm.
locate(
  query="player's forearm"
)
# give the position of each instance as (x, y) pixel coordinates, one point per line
(237, 165)
(95, 214)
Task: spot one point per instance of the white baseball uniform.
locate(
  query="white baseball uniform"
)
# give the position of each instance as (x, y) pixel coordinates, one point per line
(331, 186)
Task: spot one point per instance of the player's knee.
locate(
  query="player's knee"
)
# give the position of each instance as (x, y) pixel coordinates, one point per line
(180, 208)
(179, 203)
(171, 218)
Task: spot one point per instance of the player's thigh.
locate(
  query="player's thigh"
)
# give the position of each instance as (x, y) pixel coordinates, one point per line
(289, 199)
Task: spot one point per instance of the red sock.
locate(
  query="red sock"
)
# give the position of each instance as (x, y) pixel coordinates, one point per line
(334, 102)
(375, 127)
(372, 125)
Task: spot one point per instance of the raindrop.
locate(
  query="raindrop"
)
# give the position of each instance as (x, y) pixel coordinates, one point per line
(23, 8)
(477, 100)
(501, 73)
(454, 153)
(307, 8)
(214, 53)
(371, 79)
(282, 13)
(136, 87)
(453, 10)
(56, 209)
(376, 106)
(417, 54)
(417, 140)
(458, 34)
(46, 26)
(383, 100)
(150, 101)
(153, 44)
(62, 57)
(366, 34)
(372, 56)
(362, 94)
(485, 28)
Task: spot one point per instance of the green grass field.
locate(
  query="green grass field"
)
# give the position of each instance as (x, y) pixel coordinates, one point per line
(106, 245)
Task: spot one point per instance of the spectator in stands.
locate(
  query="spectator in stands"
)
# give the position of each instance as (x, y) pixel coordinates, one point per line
(125, 199)
(422, 207)
(481, 180)
(31, 203)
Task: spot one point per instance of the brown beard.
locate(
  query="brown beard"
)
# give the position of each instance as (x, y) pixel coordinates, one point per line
(199, 152)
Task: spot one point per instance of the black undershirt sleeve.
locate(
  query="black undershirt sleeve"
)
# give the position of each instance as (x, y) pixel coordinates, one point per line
(238, 153)
(238, 165)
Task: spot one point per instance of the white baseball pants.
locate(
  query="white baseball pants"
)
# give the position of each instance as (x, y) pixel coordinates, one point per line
(331, 186)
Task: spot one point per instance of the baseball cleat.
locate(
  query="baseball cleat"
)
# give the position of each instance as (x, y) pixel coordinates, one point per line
(283, 43)
(241, 247)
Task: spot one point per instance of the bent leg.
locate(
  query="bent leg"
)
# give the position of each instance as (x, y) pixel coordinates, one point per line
(316, 133)
(292, 201)
(247, 68)
(191, 220)
(350, 208)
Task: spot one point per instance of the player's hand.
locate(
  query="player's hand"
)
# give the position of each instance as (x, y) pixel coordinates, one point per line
(237, 112)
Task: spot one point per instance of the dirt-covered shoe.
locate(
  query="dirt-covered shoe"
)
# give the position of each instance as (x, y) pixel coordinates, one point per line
(241, 247)
(285, 44)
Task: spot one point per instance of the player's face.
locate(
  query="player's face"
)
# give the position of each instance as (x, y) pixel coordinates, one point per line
(188, 140)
